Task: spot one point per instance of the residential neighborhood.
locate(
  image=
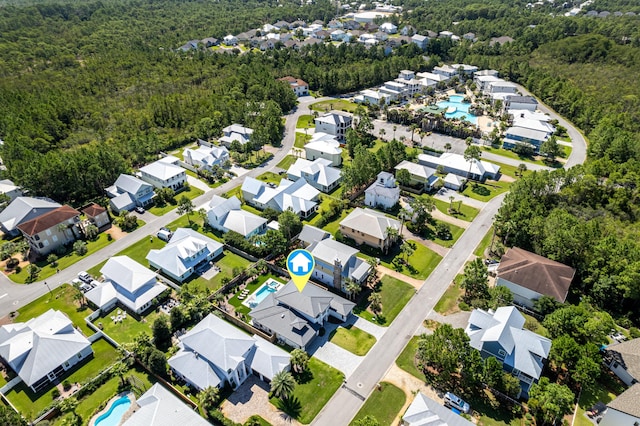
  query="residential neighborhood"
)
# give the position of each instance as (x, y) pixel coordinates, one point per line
(189, 315)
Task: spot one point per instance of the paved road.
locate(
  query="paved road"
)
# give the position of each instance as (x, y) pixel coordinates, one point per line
(14, 296)
(346, 402)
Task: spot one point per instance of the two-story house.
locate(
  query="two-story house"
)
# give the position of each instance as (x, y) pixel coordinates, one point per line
(24, 209)
(215, 353)
(317, 173)
(335, 123)
(335, 263)
(295, 317)
(383, 193)
(164, 173)
(206, 157)
(236, 133)
(366, 226)
(324, 146)
(52, 230)
(128, 192)
(97, 215)
(299, 87)
(501, 334)
(623, 360)
(298, 196)
(455, 163)
(186, 251)
(226, 214)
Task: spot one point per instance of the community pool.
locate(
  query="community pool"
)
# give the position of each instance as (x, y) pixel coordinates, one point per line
(269, 286)
(113, 416)
(455, 108)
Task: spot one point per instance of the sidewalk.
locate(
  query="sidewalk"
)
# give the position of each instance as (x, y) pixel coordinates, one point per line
(416, 283)
(445, 193)
(408, 235)
(437, 214)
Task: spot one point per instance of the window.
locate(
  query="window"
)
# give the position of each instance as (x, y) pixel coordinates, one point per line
(502, 353)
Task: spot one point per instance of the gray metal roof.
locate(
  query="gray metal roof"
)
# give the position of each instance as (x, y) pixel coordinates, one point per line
(284, 322)
(23, 209)
(369, 222)
(534, 135)
(628, 401)
(130, 184)
(309, 234)
(328, 251)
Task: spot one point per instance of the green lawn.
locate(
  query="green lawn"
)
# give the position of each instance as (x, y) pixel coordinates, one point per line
(89, 405)
(64, 262)
(252, 286)
(237, 191)
(334, 104)
(407, 358)
(394, 293)
(125, 331)
(484, 243)
(463, 211)
(30, 404)
(485, 191)
(301, 140)
(510, 154)
(384, 404)
(456, 232)
(333, 226)
(139, 250)
(287, 162)
(422, 262)
(227, 262)
(312, 391)
(270, 177)
(353, 339)
(63, 301)
(305, 121)
(604, 390)
(509, 170)
(191, 193)
(448, 303)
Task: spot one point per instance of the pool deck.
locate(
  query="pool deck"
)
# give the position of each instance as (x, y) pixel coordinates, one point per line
(132, 408)
(252, 297)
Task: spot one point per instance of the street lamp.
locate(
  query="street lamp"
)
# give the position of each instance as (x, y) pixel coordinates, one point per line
(50, 292)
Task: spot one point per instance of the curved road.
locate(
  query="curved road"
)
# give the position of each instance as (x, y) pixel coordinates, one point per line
(348, 400)
(13, 296)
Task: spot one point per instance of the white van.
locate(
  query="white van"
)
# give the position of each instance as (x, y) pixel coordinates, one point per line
(164, 235)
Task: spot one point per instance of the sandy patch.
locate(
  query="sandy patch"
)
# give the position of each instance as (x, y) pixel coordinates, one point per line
(115, 232)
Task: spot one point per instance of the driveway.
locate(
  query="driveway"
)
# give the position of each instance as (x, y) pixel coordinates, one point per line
(251, 398)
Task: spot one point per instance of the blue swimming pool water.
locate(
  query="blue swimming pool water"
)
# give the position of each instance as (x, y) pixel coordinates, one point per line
(115, 413)
(462, 109)
(270, 286)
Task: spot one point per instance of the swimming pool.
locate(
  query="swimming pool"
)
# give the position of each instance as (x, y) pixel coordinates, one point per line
(113, 416)
(457, 109)
(269, 286)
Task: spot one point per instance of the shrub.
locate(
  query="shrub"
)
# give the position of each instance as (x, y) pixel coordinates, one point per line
(52, 259)
(55, 393)
(66, 385)
(12, 263)
(80, 248)
(18, 269)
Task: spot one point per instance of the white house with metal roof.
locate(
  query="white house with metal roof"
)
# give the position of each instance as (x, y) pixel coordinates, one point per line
(215, 352)
(323, 145)
(43, 348)
(456, 164)
(336, 263)
(366, 226)
(235, 133)
(164, 174)
(311, 234)
(517, 135)
(420, 175)
(11, 190)
(186, 251)
(128, 192)
(335, 123)
(160, 407)
(383, 193)
(318, 173)
(424, 411)
(126, 282)
(298, 196)
(226, 214)
(205, 157)
(24, 209)
(500, 334)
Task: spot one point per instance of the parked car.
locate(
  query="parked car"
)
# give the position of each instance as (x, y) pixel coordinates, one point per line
(164, 235)
(84, 276)
(139, 209)
(453, 401)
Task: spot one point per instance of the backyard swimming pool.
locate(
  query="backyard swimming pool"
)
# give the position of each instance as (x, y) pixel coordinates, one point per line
(113, 416)
(269, 286)
(456, 109)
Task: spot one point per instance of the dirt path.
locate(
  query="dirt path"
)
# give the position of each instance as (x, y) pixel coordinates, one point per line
(416, 283)
(115, 232)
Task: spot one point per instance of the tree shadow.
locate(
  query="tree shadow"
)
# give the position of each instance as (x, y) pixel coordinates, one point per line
(290, 405)
(304, 377)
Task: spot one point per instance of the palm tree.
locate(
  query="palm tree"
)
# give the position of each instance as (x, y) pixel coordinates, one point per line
(119, 369)
(382, 132)
(299, 360)
(282, 385)
(404, 214)
(472, 155)
(407, 249)
(394, 131)
(392, 236)
(353, 288)
(375, 303)
(208, 399)
(521, 169)
(451, 198)
(413, 128)
(447, 147)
